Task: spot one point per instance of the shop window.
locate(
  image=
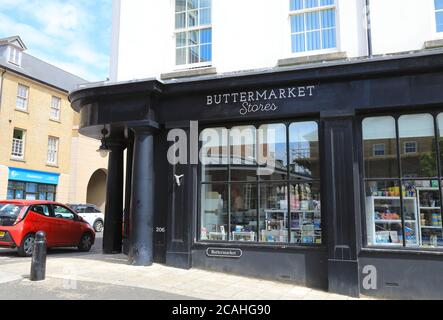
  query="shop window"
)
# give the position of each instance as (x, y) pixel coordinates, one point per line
(22, 97)
(313, 25)
(272, 191)
(193, 32)
(403, 189)
(439, 15)
(18, 144)
(55, 108)
(30, 191)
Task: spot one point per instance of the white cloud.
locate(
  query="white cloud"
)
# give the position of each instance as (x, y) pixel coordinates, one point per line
(65, 29)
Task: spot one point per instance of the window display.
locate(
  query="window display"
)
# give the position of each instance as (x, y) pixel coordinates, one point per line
(403, 208)
(256, 196)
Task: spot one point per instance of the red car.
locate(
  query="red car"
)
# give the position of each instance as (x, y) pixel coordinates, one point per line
(20, 220)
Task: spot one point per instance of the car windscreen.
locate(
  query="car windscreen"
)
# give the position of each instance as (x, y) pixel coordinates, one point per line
(9, 213)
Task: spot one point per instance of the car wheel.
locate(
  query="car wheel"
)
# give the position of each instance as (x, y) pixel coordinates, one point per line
(27, 246)
(85, 244)
(98, 226)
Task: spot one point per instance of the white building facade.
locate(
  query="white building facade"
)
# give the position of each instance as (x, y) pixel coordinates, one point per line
(261, 34)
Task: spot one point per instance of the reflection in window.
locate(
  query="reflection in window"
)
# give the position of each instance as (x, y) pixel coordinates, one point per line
(243, 153)
(306, 227)
(214, 212)
(243, 212)
(274, 212)
(417, 130)
(380, 162)
(214, 154)
(272, 154)
(304, 150)
(439, 15)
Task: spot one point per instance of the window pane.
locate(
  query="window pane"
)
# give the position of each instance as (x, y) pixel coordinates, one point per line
(181, 56)
(298, 23)
(296, 5)
(439, 20)
(376, 132)
(192, 18)
(311, 3)
(205, 16)
(304, 150)
(181, 39)
(438, 4)
(313, 21)
(243, 212)
(214, 212)
(418, 130)
(243, 153)
(180, 5)
(31, 187)
(328, 18)
(180, 20)
(192, 4)
(193, 37)
(440, 130)
(298, 43)
(306, 221)
(274, 213)
(206, 36)
(193, 55)
(329, 39)
(206, 53)
(214, 154)
(383, 213)
(205, 3)
(272, 154)
(327, 2)
(313, 39)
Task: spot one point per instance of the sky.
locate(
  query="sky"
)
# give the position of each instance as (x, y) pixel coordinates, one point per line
(74, 35)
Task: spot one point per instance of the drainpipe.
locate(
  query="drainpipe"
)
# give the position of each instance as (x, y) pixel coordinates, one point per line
(368, 27)
(1, 87)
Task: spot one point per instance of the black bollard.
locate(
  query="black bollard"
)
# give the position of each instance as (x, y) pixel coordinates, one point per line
(38, 266)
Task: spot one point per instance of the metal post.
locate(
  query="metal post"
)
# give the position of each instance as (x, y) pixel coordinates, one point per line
(38, 265)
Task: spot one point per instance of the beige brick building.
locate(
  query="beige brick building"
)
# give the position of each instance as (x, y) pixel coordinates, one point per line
(42, 155)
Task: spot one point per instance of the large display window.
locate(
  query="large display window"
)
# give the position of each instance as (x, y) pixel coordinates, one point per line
(403, 187)
(261, 184)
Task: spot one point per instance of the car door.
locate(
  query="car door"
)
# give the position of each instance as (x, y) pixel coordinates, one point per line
(69, 230)
(39, 218)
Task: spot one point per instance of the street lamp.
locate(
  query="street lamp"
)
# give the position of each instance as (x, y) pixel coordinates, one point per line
(104, 149)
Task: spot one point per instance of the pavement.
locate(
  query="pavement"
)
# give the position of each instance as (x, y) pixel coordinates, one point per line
(71, 275)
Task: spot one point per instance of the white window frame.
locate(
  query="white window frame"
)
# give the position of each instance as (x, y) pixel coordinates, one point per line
(15, 56)
(434, 19)
(374, 147)
(55, 108)
(14, 155)
(52, 154)
(335, 6)
(410, 142)
(188, 29)
(25, 98)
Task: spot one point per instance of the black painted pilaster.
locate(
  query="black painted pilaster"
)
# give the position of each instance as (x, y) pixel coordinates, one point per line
(112, 236)
(341, 203)
(142, 203)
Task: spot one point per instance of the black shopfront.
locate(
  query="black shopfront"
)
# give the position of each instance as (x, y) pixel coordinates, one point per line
(352, 203)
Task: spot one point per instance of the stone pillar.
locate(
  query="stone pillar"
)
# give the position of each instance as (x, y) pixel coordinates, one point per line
(112, 236)
(141, 246)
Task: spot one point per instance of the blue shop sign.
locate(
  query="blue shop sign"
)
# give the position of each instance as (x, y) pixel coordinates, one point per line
(17, 174)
